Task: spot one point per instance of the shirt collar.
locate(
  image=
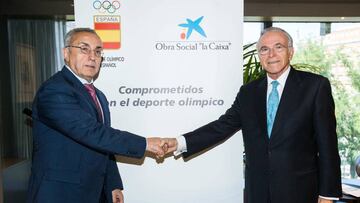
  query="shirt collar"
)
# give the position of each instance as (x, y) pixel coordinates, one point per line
(281, 79)
(82, 80)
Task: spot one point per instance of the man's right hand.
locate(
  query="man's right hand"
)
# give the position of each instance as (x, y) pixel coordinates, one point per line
(155, 146)
(169, 145)
(161, 146)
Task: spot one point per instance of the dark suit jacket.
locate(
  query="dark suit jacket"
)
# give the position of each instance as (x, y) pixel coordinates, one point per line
(300, 161)
(73, 151)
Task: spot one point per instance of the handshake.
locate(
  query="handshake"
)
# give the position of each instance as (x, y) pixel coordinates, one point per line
(161, 146)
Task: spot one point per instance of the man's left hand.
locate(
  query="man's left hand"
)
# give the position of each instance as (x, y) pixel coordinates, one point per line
(117, 196)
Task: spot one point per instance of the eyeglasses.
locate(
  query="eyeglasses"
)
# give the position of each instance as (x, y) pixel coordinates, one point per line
(86, 50)
(277, 48)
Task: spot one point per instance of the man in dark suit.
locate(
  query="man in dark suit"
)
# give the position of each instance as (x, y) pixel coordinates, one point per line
(74, 144)
(289, 130)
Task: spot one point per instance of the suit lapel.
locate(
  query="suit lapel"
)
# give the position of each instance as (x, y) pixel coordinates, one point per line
(288, 101)
(79, 87)
(104, 106)
(260, 105)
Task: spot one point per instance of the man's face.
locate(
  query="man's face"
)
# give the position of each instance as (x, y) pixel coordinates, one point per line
(274, 53)
(85, 65)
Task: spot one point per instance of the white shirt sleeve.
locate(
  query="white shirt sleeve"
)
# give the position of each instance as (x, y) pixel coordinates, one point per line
(181, 148)
(329, 198)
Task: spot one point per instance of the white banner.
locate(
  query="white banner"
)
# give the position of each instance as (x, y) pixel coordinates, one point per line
(170, 67)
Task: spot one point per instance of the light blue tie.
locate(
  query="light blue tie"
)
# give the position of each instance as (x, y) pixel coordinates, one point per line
(272, 105)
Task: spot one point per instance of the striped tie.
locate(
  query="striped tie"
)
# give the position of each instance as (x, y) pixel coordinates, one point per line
(91, 89)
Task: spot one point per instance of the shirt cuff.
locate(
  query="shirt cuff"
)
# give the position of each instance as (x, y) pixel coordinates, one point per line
(329, 198)
(181, 148)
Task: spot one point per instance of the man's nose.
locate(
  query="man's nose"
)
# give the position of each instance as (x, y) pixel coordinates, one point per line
(272, 52)
(92, 55)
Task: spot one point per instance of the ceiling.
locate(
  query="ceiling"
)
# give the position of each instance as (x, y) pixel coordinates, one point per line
(304, 1)
(253, 9)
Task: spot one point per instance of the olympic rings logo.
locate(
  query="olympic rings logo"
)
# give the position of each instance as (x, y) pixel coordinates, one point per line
(106, 6)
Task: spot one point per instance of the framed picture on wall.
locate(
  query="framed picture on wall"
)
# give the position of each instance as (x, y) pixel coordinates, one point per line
(25, 73)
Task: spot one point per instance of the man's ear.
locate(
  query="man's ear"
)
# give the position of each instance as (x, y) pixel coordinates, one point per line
(66, 54)
(291, 50)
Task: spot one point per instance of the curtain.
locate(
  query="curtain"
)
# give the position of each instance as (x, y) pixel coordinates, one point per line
(34, 55)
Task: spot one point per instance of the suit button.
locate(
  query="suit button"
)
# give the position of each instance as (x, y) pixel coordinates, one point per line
(269, 153)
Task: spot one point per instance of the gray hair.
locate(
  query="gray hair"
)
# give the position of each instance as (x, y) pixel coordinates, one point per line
(276, 29)
(68, 37)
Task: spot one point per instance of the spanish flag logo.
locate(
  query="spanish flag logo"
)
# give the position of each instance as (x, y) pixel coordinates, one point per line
(108, 28)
